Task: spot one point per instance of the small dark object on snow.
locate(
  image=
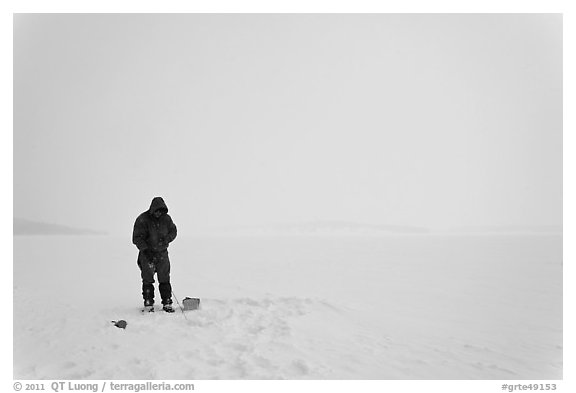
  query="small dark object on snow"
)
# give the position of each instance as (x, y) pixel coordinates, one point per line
(120, 324)
(191, 303)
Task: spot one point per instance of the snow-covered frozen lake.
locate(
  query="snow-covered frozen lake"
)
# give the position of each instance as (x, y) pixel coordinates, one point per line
(294, 307)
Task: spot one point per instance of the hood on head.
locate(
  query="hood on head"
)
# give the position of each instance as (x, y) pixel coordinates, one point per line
(158, 204)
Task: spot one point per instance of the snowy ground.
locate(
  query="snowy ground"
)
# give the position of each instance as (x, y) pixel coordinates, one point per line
(294, 307)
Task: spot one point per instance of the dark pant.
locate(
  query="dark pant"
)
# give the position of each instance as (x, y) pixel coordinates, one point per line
(159, 264)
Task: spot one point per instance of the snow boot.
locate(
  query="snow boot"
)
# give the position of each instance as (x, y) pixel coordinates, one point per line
(166, 294)
(148, 305)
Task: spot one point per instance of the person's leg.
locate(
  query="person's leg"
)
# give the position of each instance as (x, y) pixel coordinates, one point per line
(163, 270)
(147, 270)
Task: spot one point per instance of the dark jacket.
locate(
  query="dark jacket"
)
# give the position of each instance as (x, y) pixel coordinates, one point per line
(151, 233)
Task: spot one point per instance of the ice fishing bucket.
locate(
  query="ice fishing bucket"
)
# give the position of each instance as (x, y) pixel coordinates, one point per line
(191, 303)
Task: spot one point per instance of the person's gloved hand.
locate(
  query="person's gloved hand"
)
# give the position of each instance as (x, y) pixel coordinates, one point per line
(162, 244)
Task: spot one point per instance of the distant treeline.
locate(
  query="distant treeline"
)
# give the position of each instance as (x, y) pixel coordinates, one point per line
(25, 227)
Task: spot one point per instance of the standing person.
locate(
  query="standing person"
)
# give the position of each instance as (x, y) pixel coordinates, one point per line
(154, 230)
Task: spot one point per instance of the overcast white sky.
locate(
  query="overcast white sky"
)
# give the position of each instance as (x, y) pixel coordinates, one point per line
(429, 120)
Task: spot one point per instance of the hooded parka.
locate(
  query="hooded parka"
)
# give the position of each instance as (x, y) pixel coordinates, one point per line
(151, 233)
